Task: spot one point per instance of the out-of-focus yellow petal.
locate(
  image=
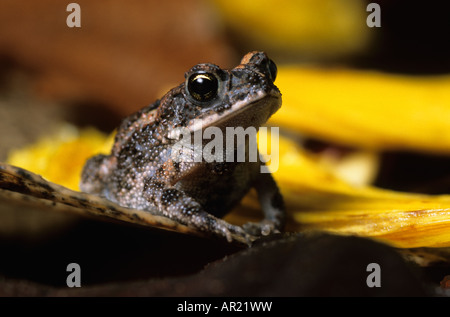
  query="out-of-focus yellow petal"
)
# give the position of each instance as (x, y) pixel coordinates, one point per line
(313, 28)
(60, 157)
(367, 109)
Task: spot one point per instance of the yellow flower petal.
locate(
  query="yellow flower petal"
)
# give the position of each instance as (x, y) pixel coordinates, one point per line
(365, 109)
(60, 158)
(323, 28)
(317, 199)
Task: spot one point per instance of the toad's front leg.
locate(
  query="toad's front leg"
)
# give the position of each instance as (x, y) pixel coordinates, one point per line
(272, 204)
(176, 205)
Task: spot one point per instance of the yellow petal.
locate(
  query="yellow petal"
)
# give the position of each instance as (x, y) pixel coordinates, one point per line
(317, 199)
(323, 28)
(60, 157)
(370, 110)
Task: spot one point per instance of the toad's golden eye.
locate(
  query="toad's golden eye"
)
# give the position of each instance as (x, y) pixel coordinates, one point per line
(203, 87)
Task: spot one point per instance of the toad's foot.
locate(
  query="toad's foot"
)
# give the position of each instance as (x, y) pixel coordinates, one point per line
(263, 228)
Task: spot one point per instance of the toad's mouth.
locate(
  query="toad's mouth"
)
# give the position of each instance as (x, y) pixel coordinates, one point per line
(262, 106)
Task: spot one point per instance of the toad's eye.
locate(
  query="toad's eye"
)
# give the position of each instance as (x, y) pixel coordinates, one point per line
(203, 87)
(272, 68)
